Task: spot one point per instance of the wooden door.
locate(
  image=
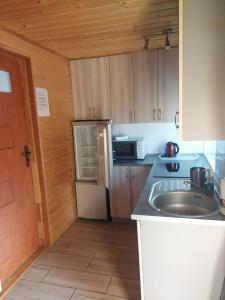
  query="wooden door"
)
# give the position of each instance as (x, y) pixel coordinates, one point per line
(138, 175)
(168, 82)
(145, 86)
(120, 198)
(100, 88)
(81, 84)
(18, 223)
(121, 76)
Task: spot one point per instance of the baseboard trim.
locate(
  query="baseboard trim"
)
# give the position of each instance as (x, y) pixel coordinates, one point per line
(10, 282)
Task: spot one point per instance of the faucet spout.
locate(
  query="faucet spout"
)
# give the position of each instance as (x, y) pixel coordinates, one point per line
(205, 190)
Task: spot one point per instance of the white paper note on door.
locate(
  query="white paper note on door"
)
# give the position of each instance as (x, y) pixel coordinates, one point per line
(42, 102)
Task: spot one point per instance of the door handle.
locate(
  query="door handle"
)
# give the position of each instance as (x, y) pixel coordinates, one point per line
(94, 111)
(27, 154)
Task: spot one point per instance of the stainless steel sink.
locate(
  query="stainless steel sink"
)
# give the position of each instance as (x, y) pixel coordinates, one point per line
(183, 203)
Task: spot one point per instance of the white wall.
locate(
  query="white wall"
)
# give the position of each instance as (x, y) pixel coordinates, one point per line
(157, 135)
(215, 153)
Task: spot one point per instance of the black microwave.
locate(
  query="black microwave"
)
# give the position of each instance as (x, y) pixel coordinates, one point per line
(129, 149)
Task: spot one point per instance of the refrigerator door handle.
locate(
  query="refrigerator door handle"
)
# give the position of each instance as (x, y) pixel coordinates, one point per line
(103, 158)
(106, 158)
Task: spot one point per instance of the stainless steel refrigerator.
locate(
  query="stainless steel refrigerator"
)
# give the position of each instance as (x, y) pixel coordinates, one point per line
(93, 158)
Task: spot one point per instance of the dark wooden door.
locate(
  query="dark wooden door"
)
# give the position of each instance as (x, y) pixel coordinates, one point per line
(18, 222)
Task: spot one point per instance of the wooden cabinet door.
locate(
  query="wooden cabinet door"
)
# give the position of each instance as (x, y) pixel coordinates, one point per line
(145, 86)
(168, 81)
(202, 70)
(121, 76)
(81, 84)
(120, 200)
(100, 88)
(138, 175)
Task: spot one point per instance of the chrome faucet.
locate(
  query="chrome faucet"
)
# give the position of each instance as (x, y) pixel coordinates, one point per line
(208, 189)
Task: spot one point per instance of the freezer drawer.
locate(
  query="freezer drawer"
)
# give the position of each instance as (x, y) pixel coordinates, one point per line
(91, 201)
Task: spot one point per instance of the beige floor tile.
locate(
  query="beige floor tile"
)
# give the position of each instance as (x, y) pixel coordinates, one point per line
(85, 234)
(129, 256)
(121, 243)
(91, 224)
(77, 279)
(132, 235)
(64, 261)
(93, 235)
(62, 243)
(114, 268)
(58, 248)
(126, 288)
(110, 249)
(36, 273)
(95, 251)
(84, 295)
(29, 290)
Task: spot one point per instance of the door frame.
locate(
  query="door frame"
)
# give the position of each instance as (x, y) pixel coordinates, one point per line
(31, 121)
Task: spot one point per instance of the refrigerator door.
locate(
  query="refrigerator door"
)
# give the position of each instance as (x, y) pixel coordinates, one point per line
(93, 151)
(103, 157)
(86, 152)
(91, 201)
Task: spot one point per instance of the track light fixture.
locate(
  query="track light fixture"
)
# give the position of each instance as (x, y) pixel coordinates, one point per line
(167, 42)
(166, 32)
(146, 43)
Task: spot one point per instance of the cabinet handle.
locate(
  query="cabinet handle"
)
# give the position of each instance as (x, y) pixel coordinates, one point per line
(154, 114)
(128, 176)
(89, 111)
(159, 114)
(131, 116)
(94, 111)
(177, 119)
(133, 176)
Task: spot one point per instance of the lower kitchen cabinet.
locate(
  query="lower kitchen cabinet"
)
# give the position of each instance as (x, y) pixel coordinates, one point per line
(120, 198)
(138, 175)
(128, 184)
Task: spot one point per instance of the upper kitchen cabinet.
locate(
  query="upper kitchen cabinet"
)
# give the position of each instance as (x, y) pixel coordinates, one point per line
(145, 86)
(91, 88)
(202, 69)
(81, 83)
(168, 79)
(100, 88)
(121, 76)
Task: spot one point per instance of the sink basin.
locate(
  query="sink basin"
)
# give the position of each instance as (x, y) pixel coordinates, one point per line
(185, 204)
(175, 197)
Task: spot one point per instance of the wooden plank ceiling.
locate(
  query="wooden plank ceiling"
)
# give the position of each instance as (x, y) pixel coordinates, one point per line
(90, 28)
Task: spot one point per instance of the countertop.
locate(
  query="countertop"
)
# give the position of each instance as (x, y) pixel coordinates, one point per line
(148, 161)
(144, 211)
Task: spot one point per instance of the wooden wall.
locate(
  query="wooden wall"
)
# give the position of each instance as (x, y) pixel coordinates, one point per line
(52, 72)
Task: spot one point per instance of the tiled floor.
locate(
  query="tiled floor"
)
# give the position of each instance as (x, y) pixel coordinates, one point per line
(92, 260)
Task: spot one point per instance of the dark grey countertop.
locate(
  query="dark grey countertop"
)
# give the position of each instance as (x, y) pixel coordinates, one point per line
(148, 161)
(144, 211)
